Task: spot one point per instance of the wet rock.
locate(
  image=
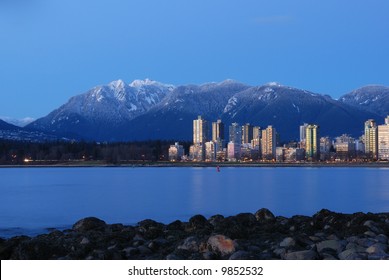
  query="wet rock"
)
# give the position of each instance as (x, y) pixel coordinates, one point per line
(246, 219)
(143, 250)
(39, 249)
(326, 235)
(84, 241)
(87, 224)
(304, 241)
(221, 244)
(335, 245)
(240, 255)
(369, 234)
(235, 227)
(280, 252)
(176, 225)
(210, 256)
(130, 252)
(198, 222)
(302, 255)
(264, 215)
(366, 242)
(215, 220)
(173, 257)
(373, 226)
(327, 257)
(355, 247)
(288, 242)
(350, 254)
(191, 244)
(381, 238)
(377, 249)
(150, 229)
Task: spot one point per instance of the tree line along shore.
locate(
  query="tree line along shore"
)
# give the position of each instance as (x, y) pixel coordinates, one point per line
(142, 153)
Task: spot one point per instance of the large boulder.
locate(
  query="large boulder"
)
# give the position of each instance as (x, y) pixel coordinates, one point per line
(221, 244)
(264, 215)
(90, 223)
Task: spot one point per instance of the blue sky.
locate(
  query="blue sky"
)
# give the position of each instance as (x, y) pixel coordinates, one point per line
(51, 50)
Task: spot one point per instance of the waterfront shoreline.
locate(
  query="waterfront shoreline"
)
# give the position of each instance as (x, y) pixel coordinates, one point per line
(325, 235)
(201, 164)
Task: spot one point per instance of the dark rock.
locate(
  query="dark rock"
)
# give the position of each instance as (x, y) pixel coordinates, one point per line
(335, 245)
(326, 256)
(39, 249)
(288, 242)
(264, 215)
(302, 255)
(150, 229)
(381, 238)
(173, 257)
(246, 219)
(130, 252)
(88, 224)
(210, 256)
(369, 234)
(355, 247)
(236, 228)
(350, 254)
(191, 244)
(8, 248)
(240, 255)
(366, 242)
(176, 225)
(378, 249)
(216, 220)
(198, 222)
(115, 227)
(280, 252)
(148, 223)
(373, 226)
(143, 250)
(327, 235)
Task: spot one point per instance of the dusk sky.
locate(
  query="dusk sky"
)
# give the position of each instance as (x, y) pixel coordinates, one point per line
(51, 50)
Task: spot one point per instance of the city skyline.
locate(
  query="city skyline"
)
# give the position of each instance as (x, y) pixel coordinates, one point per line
(54, 50)
(265, 145)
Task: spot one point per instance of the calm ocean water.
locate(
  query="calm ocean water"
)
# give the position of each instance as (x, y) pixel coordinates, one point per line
(34, 199)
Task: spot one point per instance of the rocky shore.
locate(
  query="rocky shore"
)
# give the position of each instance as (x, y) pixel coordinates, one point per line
(326, 235)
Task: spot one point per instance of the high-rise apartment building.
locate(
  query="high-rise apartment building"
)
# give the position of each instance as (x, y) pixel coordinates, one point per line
(312, 142)
(200, 131)
(217, 130)
(303, 132)
(383, 140)
(371, 139)
(256, 132)
(235, 133)
(247, 133)
(255, 143)
(268, 143)
(233, 151)
(325, 147)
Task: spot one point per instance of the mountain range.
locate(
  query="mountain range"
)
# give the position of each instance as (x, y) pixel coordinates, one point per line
(13, 132)
(146, 109)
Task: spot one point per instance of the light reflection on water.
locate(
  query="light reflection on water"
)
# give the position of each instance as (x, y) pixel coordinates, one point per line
(36, 198)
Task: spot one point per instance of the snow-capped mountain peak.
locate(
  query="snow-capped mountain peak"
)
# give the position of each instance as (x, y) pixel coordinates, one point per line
(273, 84)
(145, 82)
(104, 107)
(138, 84)
(118, 84)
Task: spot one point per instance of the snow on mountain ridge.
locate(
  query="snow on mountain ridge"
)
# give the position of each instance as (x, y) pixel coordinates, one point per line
(18, 122)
